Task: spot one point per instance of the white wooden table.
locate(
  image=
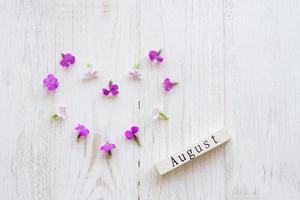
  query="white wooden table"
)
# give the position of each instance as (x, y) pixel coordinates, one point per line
(238, 65)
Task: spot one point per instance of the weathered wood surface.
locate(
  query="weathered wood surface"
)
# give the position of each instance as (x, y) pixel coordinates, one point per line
(238, 67)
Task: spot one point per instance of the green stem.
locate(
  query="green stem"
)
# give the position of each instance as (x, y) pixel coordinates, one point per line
(54, 116)
(89, 65)
(163, 116)
(110, 83)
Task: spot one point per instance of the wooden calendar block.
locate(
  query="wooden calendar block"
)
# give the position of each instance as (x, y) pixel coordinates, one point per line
(193, 151)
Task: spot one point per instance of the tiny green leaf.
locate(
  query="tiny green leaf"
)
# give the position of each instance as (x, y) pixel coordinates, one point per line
(89, 65)
(163, 116)
(136, 66)
(54, 116)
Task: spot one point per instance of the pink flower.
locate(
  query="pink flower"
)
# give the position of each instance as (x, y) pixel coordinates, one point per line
(51, 82)
(82, 131)
(168, 85)
(112, 88)
(107, 148)
(155, 55)
(67, 60)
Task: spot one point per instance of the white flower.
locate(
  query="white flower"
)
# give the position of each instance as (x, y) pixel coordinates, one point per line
(91, 74)
(159, 114)
(61, 113)
(135, 74)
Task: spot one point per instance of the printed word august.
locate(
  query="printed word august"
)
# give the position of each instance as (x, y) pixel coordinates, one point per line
(193, 152)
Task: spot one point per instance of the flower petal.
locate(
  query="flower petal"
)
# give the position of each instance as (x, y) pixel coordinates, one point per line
(114, 87)
(107, 147)
(153, 54)
(105, 91)
(114, 92)
(135, 129)
(129, 134)
(135, 74)
(159, 58)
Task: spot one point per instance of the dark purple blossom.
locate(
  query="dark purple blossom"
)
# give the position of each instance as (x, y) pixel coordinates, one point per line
(82, 131)
(112, 88)
(67, 60)
(107, 148)
(51, 82)
(168, 85)
(155, 55)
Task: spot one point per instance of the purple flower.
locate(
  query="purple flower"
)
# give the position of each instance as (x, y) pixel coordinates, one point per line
(82, 131)
(51, 82)
(155, 55)
(112, 88)
(131, 134)
(67, 60)
(168, 85)
(107, 148)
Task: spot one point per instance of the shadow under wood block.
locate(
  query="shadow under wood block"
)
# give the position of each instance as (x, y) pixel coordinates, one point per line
(189, 153)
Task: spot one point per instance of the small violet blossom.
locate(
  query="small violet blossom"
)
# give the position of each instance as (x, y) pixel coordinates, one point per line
(135, 74)
(67, 60)
(131, 134)
(90, 73)
(51, 82)
(112, 88)
(159, 114)
(82, 131)
(61, 112)
(155, 55)
(107, 148)
(168, 85)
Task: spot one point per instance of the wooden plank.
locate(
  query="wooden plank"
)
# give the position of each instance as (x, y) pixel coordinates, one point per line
(193, 151)
(262, 99)
(191, 36)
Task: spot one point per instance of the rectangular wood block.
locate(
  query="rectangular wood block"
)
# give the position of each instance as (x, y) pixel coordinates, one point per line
(189, 153)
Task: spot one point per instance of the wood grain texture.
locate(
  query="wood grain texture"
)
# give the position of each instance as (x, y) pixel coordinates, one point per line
(238, 67)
